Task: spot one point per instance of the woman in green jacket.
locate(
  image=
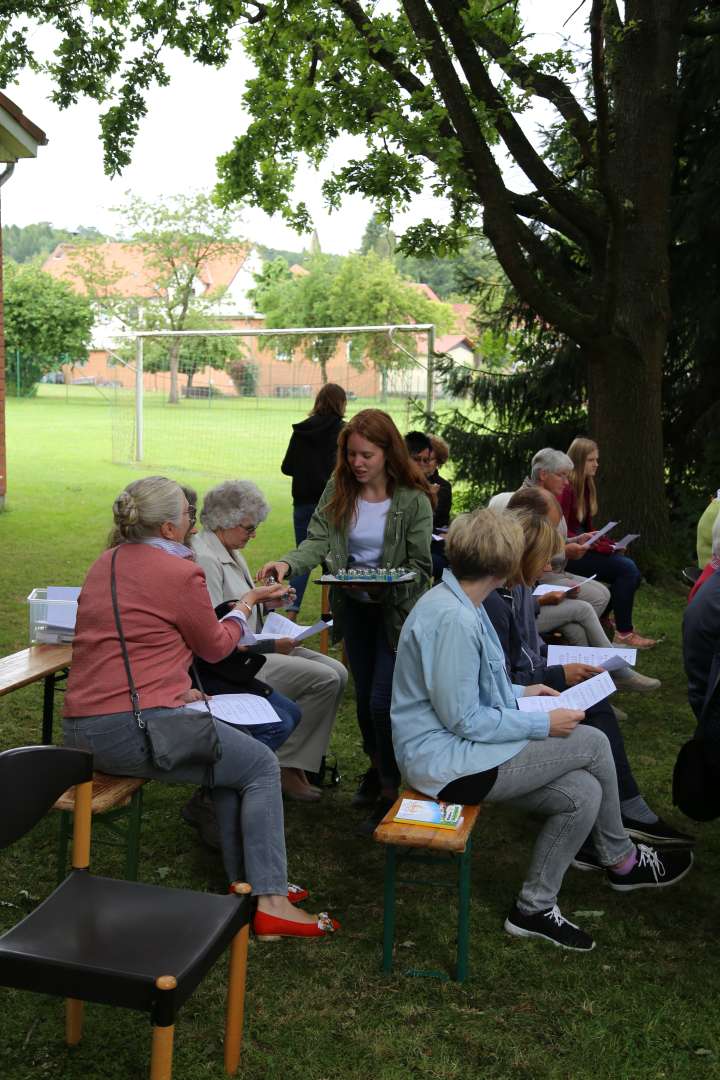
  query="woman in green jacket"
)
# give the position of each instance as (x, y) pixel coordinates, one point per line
(376, 511)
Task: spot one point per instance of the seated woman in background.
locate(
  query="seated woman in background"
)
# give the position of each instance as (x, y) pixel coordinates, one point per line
(564, 611)
(511, 609)
(460, 737)
(420, 448)
(167, 616)
(618, 571)
(310, 460)
(230, 516)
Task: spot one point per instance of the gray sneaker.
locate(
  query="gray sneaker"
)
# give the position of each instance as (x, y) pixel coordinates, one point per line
(633, 680)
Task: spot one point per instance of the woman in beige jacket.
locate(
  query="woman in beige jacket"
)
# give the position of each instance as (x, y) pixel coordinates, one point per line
(230, 516)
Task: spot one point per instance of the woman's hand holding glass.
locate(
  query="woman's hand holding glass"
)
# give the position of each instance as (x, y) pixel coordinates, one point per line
(263, 594)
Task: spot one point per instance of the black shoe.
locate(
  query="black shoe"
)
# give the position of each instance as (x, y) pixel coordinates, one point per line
(551, 926)
(199, 811)
(369, 790)
(378, 812)
(657, 832)
(587, 859)
(653, 870)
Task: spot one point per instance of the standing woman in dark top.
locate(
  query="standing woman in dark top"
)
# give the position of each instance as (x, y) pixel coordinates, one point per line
(310, 460)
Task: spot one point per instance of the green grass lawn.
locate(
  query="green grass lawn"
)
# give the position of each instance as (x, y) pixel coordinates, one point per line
(642, 1005)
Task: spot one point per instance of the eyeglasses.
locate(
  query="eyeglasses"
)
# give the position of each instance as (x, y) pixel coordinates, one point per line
(422, 459)
(192, 514)
(249, 529)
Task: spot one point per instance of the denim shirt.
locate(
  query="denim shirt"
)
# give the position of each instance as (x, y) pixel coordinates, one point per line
(454, 709)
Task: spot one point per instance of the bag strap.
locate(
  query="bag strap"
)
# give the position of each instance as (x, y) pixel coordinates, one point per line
(134, 698)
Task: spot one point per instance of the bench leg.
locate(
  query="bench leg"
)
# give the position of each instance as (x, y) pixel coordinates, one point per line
(48, 709)
(463, 929)
(389, 907)
(132, 854)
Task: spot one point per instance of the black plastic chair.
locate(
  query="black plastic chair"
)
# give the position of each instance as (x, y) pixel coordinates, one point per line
(115, 942)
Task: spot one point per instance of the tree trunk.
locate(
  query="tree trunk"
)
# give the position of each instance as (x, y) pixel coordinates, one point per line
(173, 396)
(323, 369)
(624, 411)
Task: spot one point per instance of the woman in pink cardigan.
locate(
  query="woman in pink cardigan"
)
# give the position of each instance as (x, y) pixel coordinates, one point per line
(167, 616)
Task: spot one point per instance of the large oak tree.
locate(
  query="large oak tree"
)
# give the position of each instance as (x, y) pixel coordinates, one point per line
(435, 86)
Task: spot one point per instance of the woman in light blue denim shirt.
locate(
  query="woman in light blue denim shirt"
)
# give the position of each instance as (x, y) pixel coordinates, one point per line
(460, 737)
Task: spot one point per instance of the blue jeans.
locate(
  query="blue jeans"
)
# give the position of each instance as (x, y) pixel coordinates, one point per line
(274, 735)
(623, 577)
(372, 662)
(245, 785)
(301, 519)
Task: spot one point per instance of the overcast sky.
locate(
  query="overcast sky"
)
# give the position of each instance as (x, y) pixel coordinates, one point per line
(189, 123)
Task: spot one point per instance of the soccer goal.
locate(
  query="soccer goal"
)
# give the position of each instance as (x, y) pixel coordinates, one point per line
(234, 418)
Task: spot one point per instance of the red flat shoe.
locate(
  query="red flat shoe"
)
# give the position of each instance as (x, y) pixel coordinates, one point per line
(296, 894)
(271, 928)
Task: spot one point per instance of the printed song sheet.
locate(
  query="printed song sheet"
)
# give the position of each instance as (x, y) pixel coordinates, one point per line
(277, 626)
(587, 654)
(601, 532)
(244, 710)
(542, 590)
(627, 539)
(581, 696)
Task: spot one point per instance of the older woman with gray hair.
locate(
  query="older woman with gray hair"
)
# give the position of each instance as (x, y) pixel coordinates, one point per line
(149, 587)
(230, 516)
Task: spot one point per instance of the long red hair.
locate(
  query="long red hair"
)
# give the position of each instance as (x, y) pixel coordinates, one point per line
(378, 428)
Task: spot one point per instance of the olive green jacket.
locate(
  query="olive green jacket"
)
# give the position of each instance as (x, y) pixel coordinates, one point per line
(408, 532)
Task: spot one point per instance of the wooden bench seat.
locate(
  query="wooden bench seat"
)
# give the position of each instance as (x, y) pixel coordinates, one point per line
(113, 797)
(407, 843)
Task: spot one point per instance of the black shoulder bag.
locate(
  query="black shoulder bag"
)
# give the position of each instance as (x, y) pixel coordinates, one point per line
(176, 738)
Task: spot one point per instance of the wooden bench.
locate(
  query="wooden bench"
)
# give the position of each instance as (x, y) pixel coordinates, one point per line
(113, 797)
(47, 662)
(417, 844)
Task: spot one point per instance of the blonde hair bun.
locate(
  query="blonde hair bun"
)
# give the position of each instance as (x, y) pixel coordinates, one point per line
(125, 511)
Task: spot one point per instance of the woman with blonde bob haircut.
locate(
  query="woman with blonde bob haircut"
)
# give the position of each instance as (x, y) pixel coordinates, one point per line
(375, 512)
(460, 737)
(610, 564)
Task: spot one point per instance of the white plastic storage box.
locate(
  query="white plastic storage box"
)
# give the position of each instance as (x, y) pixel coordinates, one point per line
(52, 613)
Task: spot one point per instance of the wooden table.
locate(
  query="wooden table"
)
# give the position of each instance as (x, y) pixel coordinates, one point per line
(47, 662)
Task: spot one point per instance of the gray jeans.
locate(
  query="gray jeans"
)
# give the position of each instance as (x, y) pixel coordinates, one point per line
(573, 782)
(245, 784)
(577, 620)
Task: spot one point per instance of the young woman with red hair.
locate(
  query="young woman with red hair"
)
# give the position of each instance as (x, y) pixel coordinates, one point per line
(375, 511)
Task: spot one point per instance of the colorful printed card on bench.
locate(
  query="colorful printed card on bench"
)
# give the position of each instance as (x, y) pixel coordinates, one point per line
(432, 815)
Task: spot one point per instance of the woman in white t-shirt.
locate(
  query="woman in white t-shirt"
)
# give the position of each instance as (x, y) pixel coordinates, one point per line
(375, 511)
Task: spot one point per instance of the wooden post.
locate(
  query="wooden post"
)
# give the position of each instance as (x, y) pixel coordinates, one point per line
(162, 1039)
(73, 1020)
(82, 826)
(324, 610)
